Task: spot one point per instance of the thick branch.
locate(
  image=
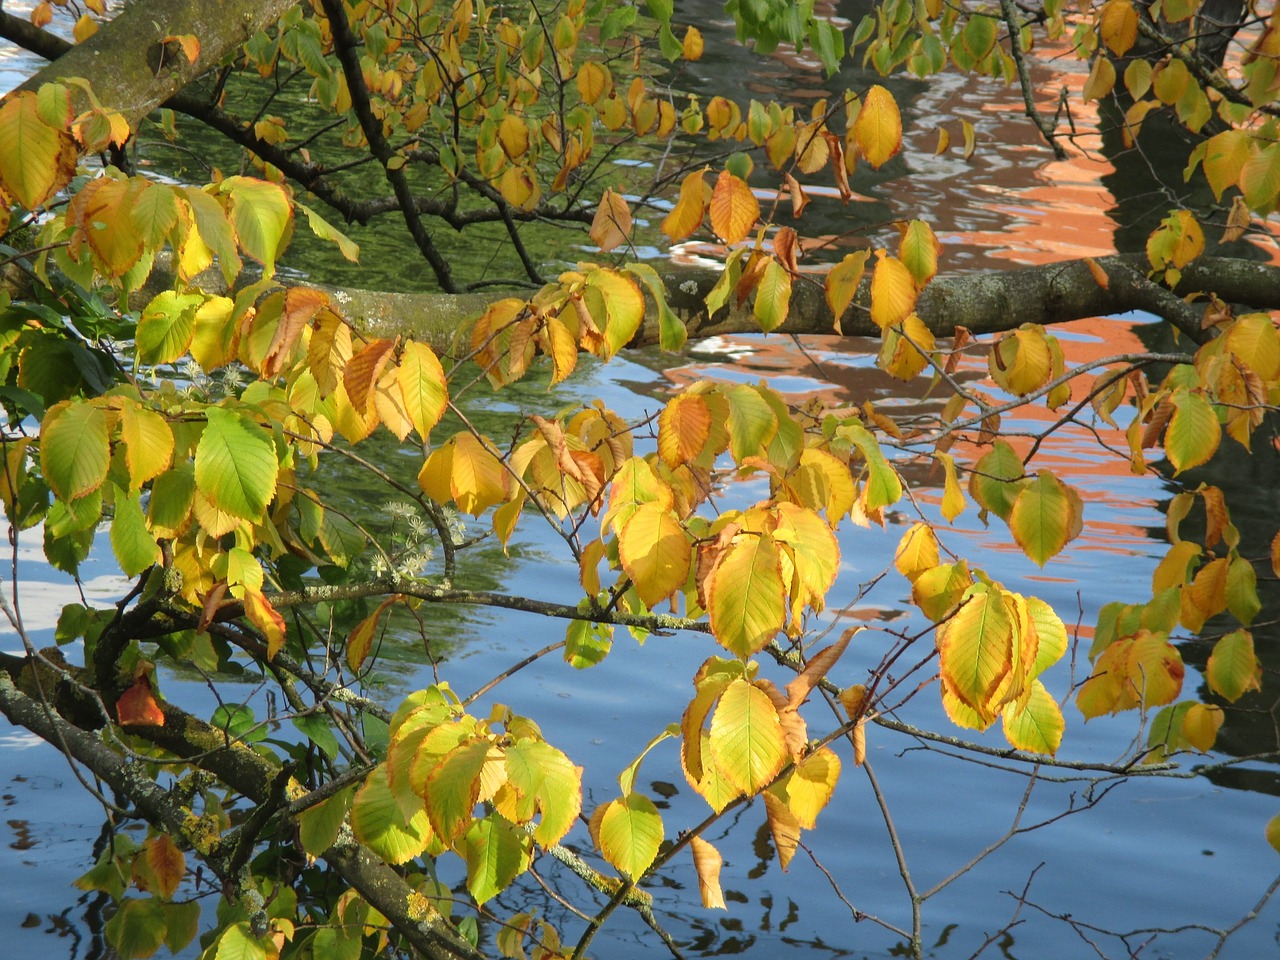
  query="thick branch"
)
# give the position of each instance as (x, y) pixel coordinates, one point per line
(130, 66)
(985, 303)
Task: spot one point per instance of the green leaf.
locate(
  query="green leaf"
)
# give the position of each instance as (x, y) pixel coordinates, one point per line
(236, 465)
(315, 727)
(167, 326)
(1044, 517)
(747, 741)
(377, 822)
(1242, 590)
(262, 218)
(827, 41)
(671, 330)
(773, 296)
(182, 923)
(318, 826)
(1194, 431)
(496, 853)
(238, 943)
(630, 833)
(137, 929)
(883, 487)
(326, 231)
(74, 449)
(752, 423)
(1233, 668)
(587, 643)
(134, 546)
(996, 480)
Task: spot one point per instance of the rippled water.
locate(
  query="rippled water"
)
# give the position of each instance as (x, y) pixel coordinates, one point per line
(1153, 854)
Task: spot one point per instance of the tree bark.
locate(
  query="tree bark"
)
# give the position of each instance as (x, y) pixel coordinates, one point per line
(130, 66)
(984, 303)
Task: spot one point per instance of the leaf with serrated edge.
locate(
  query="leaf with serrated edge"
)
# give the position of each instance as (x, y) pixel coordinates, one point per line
(747, 739)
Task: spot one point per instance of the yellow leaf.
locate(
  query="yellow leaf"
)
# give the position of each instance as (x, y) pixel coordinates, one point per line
(687, 214)
(975, 649)
(893, 292)
(1200, 725)
(1154, 669)
(734, 209)
(841, 284)
(266, 618)
(707, 862)
(594, 81)
(629, 832)
(477, 478)
(85, 28)
(360, 640)
(168, 864)
(747, 740)
(38, 160)
(783, 827)
(684, 427)
(655, 552)
(691, 49)
(810, 785)
(878, 129)
(1102, 78)
(745, 595)
(917, 551)
(952, 496)
(422, 386)
(1118, 26)
(1038, 725)
(520, 188)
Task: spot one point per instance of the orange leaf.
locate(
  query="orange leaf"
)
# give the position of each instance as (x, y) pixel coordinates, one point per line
(138, 705)
(707, 861)
(301, 304)
(362, 372)
(611, 226)
(167, 863)
(785, 247)
(734, 209)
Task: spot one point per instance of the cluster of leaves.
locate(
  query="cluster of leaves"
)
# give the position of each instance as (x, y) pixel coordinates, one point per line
(201, 448)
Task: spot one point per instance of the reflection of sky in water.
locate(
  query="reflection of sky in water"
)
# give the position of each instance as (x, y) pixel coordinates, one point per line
(1141, 858)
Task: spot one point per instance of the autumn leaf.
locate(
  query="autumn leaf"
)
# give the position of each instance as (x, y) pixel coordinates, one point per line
(138, 705)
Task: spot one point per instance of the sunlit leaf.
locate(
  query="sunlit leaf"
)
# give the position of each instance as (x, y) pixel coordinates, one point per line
(655, 552)
(878, 129)
(1044, 517)
(975, 649)
(707, 862)
(629, 833)
(734, 209)
(747, 740)
(745, 595)
(1194, 432)
(74, 451)
(236, 465)
(893, 292)
(37, 160)
(1036, 727)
